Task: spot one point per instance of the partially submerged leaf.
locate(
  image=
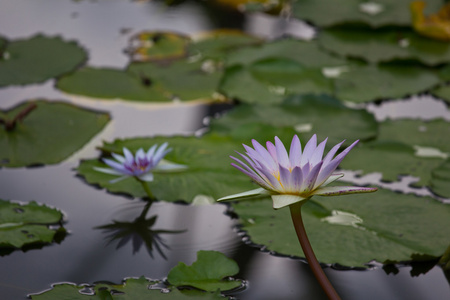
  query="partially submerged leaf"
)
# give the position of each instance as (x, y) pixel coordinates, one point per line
(131, 289)
(207, 273)
(353, 230)
(37, 59)
(26, 224)
(440, 179)
(48, 134)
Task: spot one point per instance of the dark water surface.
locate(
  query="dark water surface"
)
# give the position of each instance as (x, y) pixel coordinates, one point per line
(83, 256)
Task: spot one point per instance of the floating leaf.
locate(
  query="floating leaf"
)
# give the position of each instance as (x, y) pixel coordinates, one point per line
(392, 160)
(207, 273)
(306, 53)
(431, 134)
(218, 43)
(48, 134)
(384, 45)
(305, 114)
(131, 289)
(111, 84)
(374, 13)
(371, 82)
(435, 26)
(442, 92)
(38, 59)
(273, 6)
(23, 225)
(268, 81)
(440, 180)
(353, 230)
(208, 169)
(158, 46)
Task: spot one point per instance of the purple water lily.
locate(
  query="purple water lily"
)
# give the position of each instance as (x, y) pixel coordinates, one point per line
(294, 177)
(140, 165)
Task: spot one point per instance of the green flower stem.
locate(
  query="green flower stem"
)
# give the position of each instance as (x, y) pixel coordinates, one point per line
(296, 215)
(146, 189)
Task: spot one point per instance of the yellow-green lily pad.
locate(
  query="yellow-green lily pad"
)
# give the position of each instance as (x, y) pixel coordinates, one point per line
(42, 132)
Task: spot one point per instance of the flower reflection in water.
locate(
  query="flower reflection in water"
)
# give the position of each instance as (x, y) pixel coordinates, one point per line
(139, 232)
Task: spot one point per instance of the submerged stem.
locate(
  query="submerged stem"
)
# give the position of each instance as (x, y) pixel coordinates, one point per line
(296, 215)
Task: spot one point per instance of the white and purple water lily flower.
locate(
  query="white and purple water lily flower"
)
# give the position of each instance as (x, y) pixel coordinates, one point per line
(294, 177)
(140, 165)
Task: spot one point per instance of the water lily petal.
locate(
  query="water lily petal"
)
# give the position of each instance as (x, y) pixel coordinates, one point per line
(272, 150)
(108, 171)
(295, 152)
(342, 190)
(309, 150)
(165, 166)
(117, 166)
(297, 178)
(118, 157)
(318, 153)
(282, 156)
(332, 178)
(285, 179)
(309, 182)
(265, 155)
(280, 201)
(248, 194)
(128, 156)
(151, 151)
(254, 176)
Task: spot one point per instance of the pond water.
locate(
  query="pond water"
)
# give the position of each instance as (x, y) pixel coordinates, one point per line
(103, 27)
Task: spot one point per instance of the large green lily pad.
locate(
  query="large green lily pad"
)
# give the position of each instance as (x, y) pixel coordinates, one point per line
(374, 13)
(131, 289)
(207, 273)
(111, 84)
(208, 169)
(37, 59)
(354, 230)
(305, 114)
(372, 82)
(442, 92)
(384, 45)
(306, 53)
(432, 134)
(440, 180)
(27, 224)
(48, 134)
(392, 159)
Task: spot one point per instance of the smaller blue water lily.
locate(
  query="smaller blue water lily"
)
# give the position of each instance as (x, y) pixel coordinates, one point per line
(294, 177)
(140, 165)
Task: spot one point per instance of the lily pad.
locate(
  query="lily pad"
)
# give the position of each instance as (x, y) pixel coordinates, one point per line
(442, 92)
(440, 180)
(393, 159)
(372, 82)
(374, 13)
(111, 84)
(131, 289)
(48, 134)
(158, 46)
(38, 59)
(353, 230)
(26, 224)
(218, 44)
(384, 45)
(208, 169)
(307, 53)
(305, 114)
(268, 81)
(207, 273)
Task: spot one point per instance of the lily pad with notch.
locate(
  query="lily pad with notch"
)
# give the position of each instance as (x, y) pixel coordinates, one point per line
(207, 171)
(24, 226)
(353, 230)
(42, 132)
(38, 59)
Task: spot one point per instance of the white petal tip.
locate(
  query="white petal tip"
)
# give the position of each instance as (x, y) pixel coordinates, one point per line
(248, 194)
